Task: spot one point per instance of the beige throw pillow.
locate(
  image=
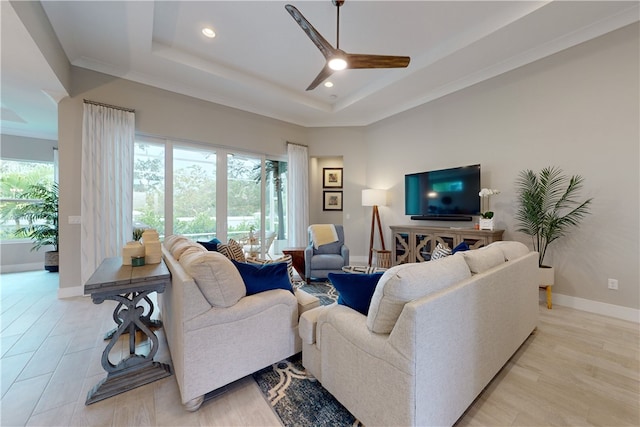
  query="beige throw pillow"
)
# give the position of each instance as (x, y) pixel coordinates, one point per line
(481, 260)
(216, 276)
(407, 282)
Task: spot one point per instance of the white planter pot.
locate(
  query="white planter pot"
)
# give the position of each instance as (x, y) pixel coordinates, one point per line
(486, 224)
(546, 276)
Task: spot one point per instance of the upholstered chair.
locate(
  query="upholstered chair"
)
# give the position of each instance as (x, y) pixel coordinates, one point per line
(328, 258)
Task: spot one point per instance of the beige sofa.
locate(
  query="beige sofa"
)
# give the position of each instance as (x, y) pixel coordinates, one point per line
(216, 333)
(436, 333)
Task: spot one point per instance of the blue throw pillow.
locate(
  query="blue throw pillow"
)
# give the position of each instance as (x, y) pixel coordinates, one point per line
(460, 248)
(211, 245)
(355, 290)
(260, 278)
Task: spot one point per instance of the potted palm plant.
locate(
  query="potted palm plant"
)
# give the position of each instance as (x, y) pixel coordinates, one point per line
(548, 207)
(41, 214)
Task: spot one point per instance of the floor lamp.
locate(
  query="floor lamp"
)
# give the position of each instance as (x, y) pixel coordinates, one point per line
(375, 198)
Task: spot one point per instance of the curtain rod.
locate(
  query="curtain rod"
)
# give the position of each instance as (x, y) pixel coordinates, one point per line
(129, 110)
(295, 143)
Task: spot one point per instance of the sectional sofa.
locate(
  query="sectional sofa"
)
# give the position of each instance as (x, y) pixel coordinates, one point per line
(435, 335)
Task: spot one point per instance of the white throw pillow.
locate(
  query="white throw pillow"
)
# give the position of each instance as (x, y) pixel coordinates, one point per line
(481, 260)
(216, 276)
(407, 282)
(440, 251)
(511, 249)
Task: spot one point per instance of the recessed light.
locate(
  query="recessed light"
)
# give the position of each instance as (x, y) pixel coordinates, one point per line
(208, 32)
(328, 84)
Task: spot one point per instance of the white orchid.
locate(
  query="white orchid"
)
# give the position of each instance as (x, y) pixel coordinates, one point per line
(486, 192)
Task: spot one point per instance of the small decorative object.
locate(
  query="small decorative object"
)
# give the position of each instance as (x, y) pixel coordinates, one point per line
(332, 201)
(486, 220)
(332, 177)
(137, 234)
(130, 250)
(152, 248)
(137, 261)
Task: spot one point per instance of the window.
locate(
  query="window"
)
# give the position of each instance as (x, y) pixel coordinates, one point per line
(148, 185)
(183, 188)
(16, 177)
(194, 192)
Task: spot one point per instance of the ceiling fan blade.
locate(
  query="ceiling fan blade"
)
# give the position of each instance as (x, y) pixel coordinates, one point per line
(322, 44)
(322, 76)
(357, 61)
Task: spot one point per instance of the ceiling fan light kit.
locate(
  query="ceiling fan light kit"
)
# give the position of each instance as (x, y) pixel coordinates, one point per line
(336, 58)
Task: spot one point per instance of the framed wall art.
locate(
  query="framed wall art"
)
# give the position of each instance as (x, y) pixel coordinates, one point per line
(332, 177)
(332, 200)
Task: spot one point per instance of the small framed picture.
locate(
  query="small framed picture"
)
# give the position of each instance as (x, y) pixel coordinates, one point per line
(332, 177)
(332, 201)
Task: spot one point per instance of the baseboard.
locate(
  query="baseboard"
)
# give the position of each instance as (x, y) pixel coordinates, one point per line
(603, 308)
(19, 268)
(70, 292)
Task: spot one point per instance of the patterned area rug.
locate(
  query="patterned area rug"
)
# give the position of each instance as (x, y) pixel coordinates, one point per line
(297, 398)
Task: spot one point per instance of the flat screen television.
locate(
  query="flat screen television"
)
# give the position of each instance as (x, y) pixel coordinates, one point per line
(446, 194)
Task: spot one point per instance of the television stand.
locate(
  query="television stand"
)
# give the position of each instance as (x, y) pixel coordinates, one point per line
(414, 243)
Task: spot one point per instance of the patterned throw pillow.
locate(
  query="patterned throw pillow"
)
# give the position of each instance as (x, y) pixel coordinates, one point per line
(440, 251)
(285, 258)
(362, 269)
(232, 250)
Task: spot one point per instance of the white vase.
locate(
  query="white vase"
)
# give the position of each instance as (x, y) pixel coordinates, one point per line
(486, 223)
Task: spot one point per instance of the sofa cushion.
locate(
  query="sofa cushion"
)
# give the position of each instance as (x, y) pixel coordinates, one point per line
(170, 241)
(260, 278)
(216, 276)
(440, 251)
(511, 249)
(481, 260)
(287, 259)
(181, 246)
(211, 245)
(407, 282)
(355, 290)
(232, 250)
(461, 247)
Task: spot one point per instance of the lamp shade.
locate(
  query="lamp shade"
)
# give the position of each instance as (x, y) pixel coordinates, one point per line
(371, 197)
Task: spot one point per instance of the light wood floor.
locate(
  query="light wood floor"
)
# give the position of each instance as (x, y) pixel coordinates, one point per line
(578, 369)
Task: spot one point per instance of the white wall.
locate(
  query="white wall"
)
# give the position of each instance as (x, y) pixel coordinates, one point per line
(577, 110)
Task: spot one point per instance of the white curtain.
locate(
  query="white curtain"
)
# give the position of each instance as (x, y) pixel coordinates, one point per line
(107, 184)
(298, 194)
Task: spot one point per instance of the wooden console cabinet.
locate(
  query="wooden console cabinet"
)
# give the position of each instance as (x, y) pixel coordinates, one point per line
(414, 243)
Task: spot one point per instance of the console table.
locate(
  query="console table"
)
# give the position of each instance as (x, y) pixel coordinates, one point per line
(129, 287)
(414, 243)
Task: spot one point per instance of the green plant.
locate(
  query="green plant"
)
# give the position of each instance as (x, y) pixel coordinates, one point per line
(41, 213)
(548, 206)
(137, 234)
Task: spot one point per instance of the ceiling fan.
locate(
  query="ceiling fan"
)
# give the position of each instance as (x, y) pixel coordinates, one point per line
(337, 59)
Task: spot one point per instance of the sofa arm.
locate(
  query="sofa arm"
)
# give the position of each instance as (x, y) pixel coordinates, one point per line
(306, 301)
(307, 325)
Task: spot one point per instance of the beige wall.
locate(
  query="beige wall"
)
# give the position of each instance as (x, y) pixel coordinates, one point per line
(577, 110)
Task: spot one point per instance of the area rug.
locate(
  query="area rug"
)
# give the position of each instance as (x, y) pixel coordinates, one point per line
(323, 290)
(297, 398)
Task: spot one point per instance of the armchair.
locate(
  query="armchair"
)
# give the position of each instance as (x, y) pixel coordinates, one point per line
(328, 258)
